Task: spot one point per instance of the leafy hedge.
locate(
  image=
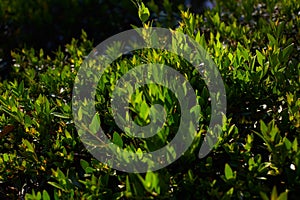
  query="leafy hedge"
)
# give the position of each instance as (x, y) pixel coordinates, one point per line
(255, 45)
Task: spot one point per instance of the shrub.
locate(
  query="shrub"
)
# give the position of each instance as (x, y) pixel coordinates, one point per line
(256, 48)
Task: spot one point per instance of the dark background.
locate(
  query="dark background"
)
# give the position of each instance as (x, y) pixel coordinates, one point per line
(49, 24)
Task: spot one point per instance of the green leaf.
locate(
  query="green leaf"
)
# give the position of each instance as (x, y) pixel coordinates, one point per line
(264, 196)
(138, 97)
(290, 98)
(117, 139)
(139, 153)
(128, 187)
(38, 196)
(274, 193)
(5, 157)
(286, 52)
(295, 145)
(67, 134)
(57, 186)
(80, 113)
(143, 12)
(263, 128)
(58, 174)
(95, 124)
(60, 115)
(21, 87)
(283, 196)
(84, 164)
(27, 121)
(216, 19)
(230, 192)
(144, 110)
(288, 144)
(241, 51)
(266, 139)
(46, 195)
(28, 145)
(274, 131)
(89, 170)
(148, 179)
(260, 58)
(14, 109)
(272, 40)
(228, 172)
(152, 180)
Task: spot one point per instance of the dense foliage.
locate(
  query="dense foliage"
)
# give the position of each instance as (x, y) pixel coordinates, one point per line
(255, 45)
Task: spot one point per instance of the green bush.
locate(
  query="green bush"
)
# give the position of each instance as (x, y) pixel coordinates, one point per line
(255, 45)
